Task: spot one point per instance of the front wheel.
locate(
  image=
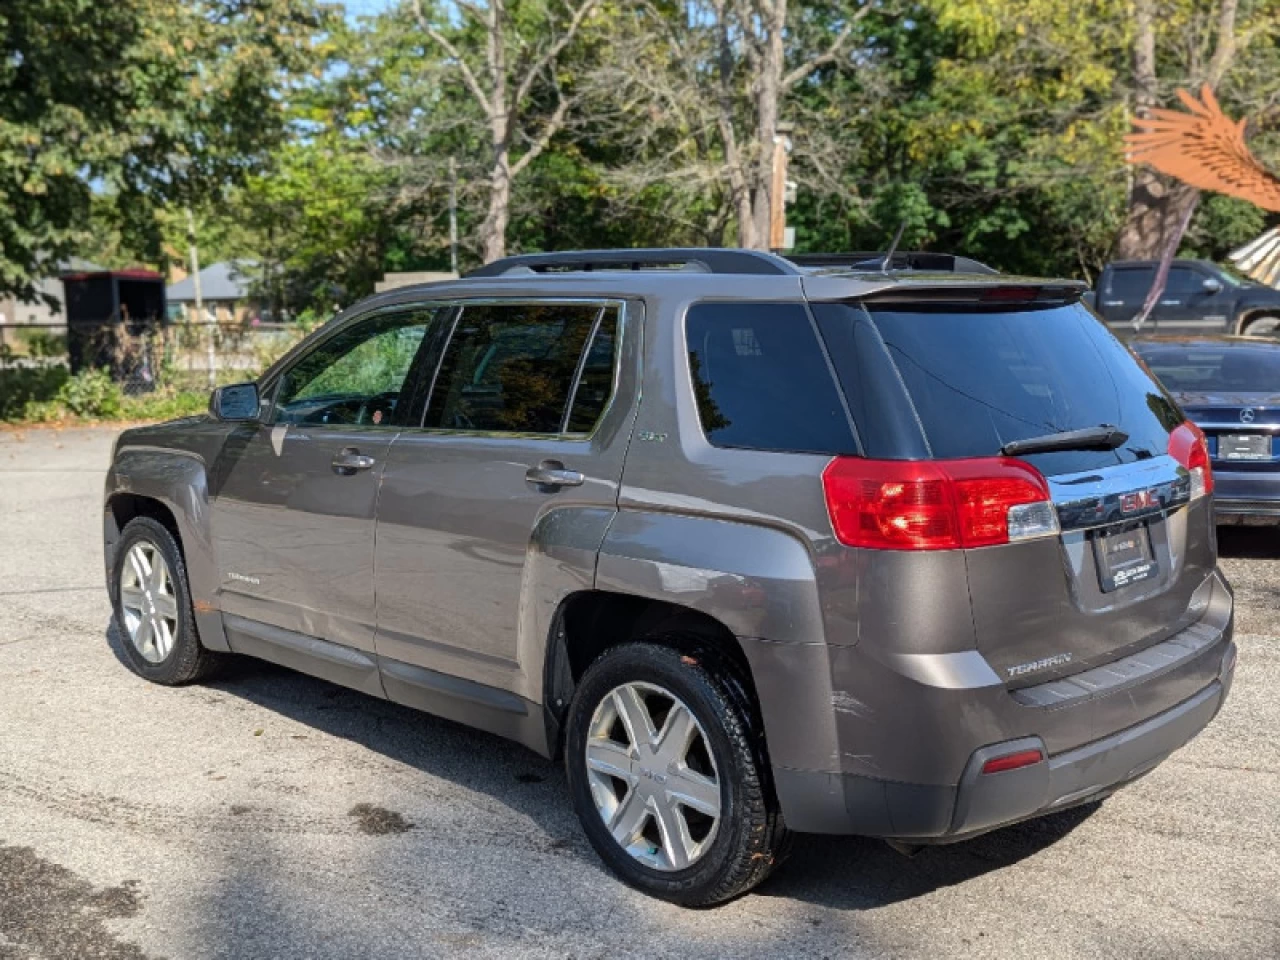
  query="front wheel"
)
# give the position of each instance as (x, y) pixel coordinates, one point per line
(667, 777)
(1265, 326)
(153, 606)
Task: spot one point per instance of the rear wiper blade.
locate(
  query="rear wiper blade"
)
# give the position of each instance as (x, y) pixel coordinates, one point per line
(1104, 437)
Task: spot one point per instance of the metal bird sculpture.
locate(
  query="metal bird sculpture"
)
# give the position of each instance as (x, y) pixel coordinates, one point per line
(1205, 148)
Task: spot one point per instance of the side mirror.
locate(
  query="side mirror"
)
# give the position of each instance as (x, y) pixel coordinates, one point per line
(238, 401)
(1212, 285)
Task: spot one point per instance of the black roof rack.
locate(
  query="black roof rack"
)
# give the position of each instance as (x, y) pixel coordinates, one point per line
(699, 259)
(922, 261)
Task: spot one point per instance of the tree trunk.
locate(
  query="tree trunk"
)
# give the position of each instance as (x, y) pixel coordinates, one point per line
(493, 231)
(768, 93)
(1156, 208)
(1159, 205)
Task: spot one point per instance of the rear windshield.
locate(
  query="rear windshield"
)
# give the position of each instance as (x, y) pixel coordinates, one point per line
(979, 378)
(1213, 368)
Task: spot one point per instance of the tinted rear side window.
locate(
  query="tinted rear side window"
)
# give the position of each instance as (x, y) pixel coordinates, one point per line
(1131, 284)
(761, 380)
(595, 386)
(978, 378)
(510, 367)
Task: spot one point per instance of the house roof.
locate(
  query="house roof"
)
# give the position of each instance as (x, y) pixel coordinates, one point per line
(229, 280)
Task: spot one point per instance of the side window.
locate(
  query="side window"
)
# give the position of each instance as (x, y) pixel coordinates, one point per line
(595, 386)
(761, 381)
(1131, 284)
(357, 377)
(1184, 281)
(510, 367)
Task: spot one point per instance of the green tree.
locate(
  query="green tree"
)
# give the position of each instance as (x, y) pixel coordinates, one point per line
(152, 101)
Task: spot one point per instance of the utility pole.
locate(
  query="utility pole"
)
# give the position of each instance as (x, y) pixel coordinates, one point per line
(778, 189)
(195, 281)
(453, 215)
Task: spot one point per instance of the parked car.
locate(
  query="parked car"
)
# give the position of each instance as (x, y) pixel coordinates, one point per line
(755, 547)
(1230, 388)
(1199, 297)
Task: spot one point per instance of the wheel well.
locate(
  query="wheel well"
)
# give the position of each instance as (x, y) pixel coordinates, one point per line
(1261, 313)
(126, 506)
(592, 621)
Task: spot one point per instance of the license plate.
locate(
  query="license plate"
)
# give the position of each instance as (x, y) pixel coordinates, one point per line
(1124, 557)
(1244, 446)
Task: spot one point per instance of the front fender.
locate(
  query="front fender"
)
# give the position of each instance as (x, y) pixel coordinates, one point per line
(760, 583)
(178, 479)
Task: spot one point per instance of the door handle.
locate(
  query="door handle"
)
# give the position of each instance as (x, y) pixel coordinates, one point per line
(1113, 303)
(552, 473)
(350, 461)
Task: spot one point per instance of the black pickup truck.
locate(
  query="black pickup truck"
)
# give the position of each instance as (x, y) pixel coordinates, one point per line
(1200, 297)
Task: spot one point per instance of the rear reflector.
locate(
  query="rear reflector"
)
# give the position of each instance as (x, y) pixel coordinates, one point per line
(1188, 446)
(936, 504)
(1013, 761)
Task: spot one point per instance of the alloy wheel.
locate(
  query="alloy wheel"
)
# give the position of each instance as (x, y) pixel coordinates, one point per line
(148, 602)
(652, 776)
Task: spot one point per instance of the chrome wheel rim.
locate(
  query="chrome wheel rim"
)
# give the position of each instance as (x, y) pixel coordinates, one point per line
(653, 777)
(148, 602)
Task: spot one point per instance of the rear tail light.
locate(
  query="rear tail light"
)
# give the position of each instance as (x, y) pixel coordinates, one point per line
(936, 504)
(1013, 761)
(1188, 446)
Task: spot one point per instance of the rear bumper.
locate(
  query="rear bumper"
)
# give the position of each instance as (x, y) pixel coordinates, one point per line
(903, 748)
(848, 803)
(1246, 494)
(1246, 508)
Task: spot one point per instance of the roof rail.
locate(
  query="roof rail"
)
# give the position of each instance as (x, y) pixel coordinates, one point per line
(699, 259)
(925, 262)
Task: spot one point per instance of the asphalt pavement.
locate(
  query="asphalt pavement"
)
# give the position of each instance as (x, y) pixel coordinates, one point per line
(268, 814)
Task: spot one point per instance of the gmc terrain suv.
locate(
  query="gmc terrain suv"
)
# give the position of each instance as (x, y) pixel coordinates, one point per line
(755, 545)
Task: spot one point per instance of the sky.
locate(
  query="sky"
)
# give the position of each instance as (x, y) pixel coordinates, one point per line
(356, 8)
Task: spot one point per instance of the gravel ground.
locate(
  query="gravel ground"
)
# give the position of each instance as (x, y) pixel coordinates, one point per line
(272, 815)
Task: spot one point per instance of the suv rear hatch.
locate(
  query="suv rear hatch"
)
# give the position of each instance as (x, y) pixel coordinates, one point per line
(955, 378)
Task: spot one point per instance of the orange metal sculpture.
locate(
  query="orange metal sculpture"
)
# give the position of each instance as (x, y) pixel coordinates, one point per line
(1205, 148)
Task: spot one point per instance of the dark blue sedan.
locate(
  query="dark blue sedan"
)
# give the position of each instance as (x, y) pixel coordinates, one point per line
(1230, 387)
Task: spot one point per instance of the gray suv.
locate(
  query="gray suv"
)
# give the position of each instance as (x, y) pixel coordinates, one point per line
(757, 546)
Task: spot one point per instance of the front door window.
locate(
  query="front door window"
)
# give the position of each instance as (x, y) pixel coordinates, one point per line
(357, 378)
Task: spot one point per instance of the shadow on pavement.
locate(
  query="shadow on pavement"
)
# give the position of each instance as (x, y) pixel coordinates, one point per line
(857, 873)
(1249, 543)
(843, 873)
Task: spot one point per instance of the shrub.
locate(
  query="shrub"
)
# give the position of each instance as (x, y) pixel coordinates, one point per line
(22, 386)
(92, 394)
(165, 404)
(44, 343)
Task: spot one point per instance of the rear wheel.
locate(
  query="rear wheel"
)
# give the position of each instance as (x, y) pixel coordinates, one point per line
(153, 606)
(667, 779)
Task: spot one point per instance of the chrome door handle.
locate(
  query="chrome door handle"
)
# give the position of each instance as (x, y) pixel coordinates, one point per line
(1113, 303)
(552, 473)
(350, 461)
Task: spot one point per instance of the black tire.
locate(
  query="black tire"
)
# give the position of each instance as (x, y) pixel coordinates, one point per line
(187, 661)
(1266, 325)
(751, 838)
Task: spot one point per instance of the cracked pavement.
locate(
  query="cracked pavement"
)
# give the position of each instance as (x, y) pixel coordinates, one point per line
(268, 814)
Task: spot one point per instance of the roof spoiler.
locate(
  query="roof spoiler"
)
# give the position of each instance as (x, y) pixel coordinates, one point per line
(905, 260)
(1007, 292)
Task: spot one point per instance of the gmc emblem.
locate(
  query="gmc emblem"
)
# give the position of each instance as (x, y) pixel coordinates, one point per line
(1138, 500)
